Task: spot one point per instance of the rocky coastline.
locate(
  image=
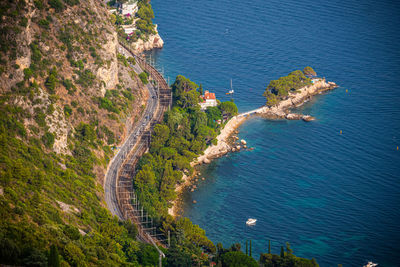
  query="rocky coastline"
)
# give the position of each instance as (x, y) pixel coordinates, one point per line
(153, 41)
(229, 142)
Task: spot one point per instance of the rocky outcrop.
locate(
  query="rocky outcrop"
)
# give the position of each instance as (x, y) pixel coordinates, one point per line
(296, 99)
(108, 73)
(153, 41)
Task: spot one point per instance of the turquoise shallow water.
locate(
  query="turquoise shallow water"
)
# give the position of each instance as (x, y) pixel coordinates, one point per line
(333, 197)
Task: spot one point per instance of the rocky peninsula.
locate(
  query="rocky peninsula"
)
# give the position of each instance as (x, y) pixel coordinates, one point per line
(229, 142)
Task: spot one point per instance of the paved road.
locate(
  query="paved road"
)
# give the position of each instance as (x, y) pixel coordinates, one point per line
(141, 126)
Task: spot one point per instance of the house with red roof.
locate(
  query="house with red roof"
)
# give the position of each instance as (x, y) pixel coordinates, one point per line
(208, 100)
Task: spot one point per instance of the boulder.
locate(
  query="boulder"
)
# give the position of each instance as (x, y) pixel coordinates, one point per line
(293, 116)
(206, 161)
(308, 118)
(237, 147)
(243, 142)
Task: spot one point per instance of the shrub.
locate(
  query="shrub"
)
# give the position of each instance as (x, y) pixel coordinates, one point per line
(143, 77)
(48, 139)
(67, 111)
(28, 73)
(57, 5)
(44, 23)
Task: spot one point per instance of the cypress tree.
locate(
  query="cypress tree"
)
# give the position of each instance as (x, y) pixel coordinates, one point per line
(269, 246)
(54, 260)
(201, 89)
(250, 248)
(246, 248)
(282, 252)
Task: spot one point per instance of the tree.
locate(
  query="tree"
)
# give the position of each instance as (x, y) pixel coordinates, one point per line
(51, 81)
(159, 137)
(282, 252)
(250, 249)
(213, 115)
(308, 71)
(54, 259)
(201, 89)
(144, 77)
(228, 108)
(237, 259)
(269, 246)
(247, 252)
(288, 249)
(181, 85)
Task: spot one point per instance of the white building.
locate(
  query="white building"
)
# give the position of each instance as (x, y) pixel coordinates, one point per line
(129, 8)
(128, 29)
(209, 100)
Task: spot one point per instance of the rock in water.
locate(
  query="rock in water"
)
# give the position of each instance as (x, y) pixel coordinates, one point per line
(308, 118)
(243, 142)
(293, 116)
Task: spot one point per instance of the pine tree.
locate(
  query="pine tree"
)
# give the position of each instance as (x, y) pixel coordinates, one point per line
(246, 248)
(282, 252)
(54, 260)
(269, 246)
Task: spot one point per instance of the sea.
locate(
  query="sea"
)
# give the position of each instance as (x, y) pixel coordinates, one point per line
(331, 187)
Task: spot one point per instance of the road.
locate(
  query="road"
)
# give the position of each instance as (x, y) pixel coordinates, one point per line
(134, 136)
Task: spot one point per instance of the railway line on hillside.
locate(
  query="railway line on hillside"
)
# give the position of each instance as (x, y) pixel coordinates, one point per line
(118, 186)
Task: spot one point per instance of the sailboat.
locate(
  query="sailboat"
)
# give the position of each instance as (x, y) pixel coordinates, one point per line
(230, 91)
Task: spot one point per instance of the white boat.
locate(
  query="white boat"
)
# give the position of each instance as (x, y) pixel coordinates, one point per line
(371, 264)
(251, 221)
(230, 91)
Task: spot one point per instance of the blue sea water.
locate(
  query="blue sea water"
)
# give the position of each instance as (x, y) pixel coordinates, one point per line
(335, 197)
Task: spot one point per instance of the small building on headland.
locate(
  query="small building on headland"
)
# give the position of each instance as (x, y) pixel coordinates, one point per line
(128, 29)
(208, 100)
(130, 7)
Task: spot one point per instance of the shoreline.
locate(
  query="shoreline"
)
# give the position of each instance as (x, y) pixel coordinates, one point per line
(226, 144)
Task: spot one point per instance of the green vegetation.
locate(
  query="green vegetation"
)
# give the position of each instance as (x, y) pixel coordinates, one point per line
(278, 90)
(116, 101)
(308, 71)
(144, 77)
(144, 23)
(285, 259)
(33, 230)
(185, 133)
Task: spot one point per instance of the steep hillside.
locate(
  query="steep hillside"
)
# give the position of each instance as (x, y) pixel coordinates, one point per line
(66, 99)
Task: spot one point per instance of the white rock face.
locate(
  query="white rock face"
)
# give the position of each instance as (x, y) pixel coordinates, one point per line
(108, 73)
(154, 41)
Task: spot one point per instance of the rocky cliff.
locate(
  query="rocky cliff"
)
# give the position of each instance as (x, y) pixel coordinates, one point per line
(153, 41)
(67, 99)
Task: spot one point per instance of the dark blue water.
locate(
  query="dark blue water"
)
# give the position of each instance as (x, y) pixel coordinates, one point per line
(333, 197)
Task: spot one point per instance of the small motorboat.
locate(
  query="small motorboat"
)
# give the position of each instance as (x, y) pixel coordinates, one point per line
(371, 264)
(251, 221)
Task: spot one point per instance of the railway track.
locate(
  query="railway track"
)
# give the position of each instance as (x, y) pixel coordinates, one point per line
(119, 193)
